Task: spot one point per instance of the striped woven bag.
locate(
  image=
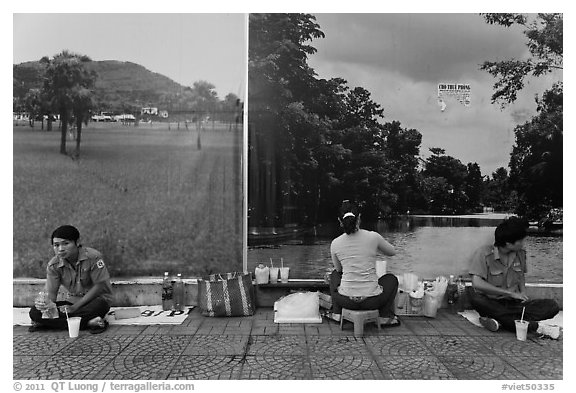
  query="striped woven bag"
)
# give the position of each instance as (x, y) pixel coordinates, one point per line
(226, 295)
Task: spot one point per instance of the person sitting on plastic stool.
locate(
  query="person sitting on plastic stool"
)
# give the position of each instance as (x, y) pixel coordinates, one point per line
(354, 284)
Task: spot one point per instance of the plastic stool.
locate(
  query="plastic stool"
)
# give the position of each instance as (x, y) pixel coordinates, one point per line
(359, 318)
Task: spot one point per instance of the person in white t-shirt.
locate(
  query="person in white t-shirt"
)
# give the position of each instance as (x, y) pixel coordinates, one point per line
(354, 283)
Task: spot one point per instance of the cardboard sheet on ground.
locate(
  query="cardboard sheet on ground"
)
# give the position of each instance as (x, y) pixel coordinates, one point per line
(474, 318)
(149, 315)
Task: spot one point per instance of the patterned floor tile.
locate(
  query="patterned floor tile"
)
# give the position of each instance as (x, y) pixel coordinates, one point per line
(397, 346)
(40, 343)
(337, 346)
(65, 367)
(157, 345)
(216, 345)
(540, 367)
(509, 346)
(95, 346)
(183, 330)
(276, 367)
(125, 329)
(24, 364)
(277, 345)
(414, 367)
(138, 367)
(455, 345)
(480, 367)
(345, 367)
(421, 326)
(206, 367)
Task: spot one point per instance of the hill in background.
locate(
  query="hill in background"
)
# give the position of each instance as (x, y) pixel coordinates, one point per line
(119, 86)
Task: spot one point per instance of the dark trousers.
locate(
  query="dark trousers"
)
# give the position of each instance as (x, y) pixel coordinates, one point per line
(505, 311)
(383, 302)
(96, 308)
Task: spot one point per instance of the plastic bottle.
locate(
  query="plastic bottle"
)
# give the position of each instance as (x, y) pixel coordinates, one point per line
(460, 289)
(167, 292)
(452, 293)
(178, 294)
(52, 311)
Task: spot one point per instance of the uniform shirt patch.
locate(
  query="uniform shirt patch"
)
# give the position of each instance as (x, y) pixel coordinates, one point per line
(100, 264)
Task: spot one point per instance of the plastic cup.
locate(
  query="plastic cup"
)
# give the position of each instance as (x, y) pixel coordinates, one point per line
(284, 272)
(74, 326)
(521, 329)
(274, 274)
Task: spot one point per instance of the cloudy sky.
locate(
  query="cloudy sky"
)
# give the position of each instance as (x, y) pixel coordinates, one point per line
(184, 47)
(401, 59)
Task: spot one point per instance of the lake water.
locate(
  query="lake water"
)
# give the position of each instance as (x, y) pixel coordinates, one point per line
(426, 247)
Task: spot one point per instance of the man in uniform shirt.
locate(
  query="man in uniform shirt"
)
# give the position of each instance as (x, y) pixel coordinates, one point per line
(499, 294)
(81, 270)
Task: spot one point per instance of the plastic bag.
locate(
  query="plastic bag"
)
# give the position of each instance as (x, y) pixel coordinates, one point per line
(299, 305)
(433, 296)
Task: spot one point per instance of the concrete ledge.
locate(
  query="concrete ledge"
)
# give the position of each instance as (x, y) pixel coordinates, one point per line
(129, 292)
(148, 291)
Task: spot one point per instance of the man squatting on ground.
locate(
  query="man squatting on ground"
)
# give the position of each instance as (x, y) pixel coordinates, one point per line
(499, 294)
(83, 273)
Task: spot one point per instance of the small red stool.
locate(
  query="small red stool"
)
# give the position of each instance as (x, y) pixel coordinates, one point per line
(359, 318)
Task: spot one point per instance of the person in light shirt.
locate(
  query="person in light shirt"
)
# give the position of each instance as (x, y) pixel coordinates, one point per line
(83, 273)
(354, 284)
(499, 292)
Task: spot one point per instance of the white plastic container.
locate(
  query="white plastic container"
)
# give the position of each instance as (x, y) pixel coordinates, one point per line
(262, 274)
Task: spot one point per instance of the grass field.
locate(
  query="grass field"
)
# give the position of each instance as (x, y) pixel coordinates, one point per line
(146, 197)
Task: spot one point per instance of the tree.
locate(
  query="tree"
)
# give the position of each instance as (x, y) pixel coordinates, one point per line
(474, 185)
(34, 105)
(441, 165)
(279, 90)
(497, 191)
(536, 161)
(82, 103)
(204, 98)
(402, 149)
(68, 85)
(545, 36)
(448, 194)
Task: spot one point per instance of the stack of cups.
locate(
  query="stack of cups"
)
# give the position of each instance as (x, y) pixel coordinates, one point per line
(274, 274)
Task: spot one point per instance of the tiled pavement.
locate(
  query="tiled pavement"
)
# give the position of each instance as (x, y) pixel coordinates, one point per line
(447, 347)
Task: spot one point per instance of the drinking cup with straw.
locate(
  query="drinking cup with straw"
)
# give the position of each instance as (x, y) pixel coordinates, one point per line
(273, 272)
(521, 327)
(284, 271)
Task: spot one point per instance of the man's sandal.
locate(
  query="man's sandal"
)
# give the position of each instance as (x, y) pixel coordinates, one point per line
(100, 328)
(390, 322)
